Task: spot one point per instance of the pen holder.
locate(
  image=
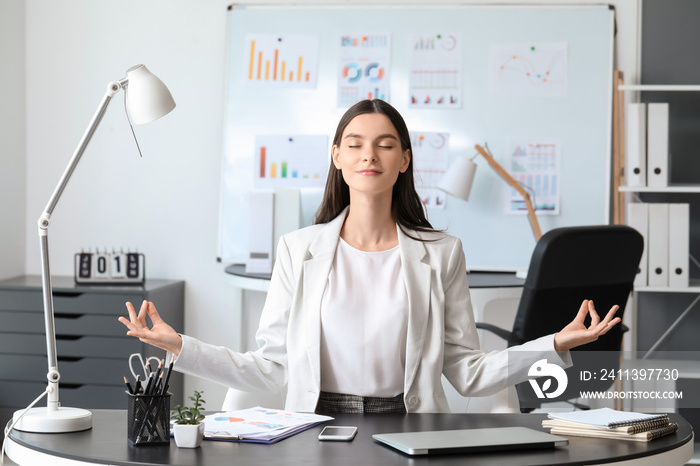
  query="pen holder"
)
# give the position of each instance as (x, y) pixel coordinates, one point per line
(148, 419)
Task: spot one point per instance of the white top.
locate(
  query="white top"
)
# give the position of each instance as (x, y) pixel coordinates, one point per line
(364, 323)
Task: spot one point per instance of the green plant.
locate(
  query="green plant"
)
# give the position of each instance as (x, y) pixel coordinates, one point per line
(193, 416)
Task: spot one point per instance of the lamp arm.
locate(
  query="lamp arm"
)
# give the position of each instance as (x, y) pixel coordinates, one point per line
(44, 222)
(511, 181)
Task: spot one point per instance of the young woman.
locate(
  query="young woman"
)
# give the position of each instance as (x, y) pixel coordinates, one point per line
(370, 306)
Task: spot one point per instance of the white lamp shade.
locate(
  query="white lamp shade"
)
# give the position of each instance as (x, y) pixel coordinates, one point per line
(459, 178)
(146, 95)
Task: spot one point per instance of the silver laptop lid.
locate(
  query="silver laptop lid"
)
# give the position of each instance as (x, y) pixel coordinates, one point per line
(470, 440)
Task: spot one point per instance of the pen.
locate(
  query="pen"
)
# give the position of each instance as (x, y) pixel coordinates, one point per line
(167, 377)
(137, 385)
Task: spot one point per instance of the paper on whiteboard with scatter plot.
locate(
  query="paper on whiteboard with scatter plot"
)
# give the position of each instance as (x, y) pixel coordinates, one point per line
(364, 68)
(430, 162)
(528, 70)
(535, 164)
(435, 73)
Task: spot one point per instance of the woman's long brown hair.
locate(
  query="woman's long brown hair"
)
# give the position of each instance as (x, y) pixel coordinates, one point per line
(406, 206)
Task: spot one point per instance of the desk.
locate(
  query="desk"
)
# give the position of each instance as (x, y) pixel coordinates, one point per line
(106, 443)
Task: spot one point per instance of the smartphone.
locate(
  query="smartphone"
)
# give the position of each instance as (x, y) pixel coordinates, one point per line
(338, 433)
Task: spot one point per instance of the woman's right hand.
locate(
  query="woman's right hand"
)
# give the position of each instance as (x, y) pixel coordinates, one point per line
(160, 334)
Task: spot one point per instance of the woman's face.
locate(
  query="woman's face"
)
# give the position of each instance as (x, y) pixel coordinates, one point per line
(370, 155)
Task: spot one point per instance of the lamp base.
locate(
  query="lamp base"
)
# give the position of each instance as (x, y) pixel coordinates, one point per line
(42, 420)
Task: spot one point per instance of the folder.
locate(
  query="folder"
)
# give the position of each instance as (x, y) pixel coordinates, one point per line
(636, 145)
(657, 145)
(678, 245)
(638, 218)
(261, 211)
(658, 245)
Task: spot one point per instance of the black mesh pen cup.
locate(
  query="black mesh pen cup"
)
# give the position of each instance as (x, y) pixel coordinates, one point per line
(148, 419)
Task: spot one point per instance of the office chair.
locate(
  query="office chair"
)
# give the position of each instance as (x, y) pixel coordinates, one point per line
(567, 266)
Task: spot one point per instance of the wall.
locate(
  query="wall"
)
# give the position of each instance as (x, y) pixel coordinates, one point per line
(167, 202)
(12, 146)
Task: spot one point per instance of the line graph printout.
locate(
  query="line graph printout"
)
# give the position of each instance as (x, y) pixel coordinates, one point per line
(430, 162)
(528, 70)
(281, 60)
(299, 161)
(435, 70)
(536, 166)
(364, 68)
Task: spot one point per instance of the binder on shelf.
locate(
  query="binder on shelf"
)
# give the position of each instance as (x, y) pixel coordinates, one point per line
(636, 145)
(658, 245)
(657, 145)
(678, 245)
(638, 218)
(261, 213)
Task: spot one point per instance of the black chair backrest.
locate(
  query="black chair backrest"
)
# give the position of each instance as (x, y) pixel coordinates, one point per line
(571, 264)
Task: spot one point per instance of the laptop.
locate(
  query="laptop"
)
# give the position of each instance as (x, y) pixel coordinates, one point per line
(470, 440)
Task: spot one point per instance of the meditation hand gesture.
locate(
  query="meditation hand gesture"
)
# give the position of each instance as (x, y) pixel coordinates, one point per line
(160, 334)
(576, 334)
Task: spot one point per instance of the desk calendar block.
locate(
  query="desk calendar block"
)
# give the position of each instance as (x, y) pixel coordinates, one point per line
(110, 268)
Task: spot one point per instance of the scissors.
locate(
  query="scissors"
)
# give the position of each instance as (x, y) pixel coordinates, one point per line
(145, 367)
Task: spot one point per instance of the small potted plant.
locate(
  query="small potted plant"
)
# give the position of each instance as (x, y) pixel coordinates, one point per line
(189, 428)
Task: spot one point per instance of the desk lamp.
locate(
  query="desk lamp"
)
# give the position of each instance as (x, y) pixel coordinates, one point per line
(460, 177)
(147, 99)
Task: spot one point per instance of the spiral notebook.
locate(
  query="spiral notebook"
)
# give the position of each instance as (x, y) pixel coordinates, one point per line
(608, 418)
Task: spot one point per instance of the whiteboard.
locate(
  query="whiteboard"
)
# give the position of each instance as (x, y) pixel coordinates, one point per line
(580, 120)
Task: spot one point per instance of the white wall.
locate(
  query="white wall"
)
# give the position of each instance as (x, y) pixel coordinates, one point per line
(12, 130)
(166, 203)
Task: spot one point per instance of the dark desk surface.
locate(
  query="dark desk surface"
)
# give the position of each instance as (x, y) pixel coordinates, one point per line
(476, 279)
(106, 443)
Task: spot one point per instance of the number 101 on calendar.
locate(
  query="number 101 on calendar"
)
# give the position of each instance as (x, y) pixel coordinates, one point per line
(110, 268)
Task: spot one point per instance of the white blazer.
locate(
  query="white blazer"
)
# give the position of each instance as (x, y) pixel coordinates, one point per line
(442, 336)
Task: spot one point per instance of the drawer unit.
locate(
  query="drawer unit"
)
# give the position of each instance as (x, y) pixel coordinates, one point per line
(92, 346)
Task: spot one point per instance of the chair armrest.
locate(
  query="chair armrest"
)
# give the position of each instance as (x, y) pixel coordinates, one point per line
(498, 331)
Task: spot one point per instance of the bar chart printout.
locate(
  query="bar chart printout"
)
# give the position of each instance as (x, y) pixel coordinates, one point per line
(281, 60)
(535, 165)
(435, 73)
(364, 70)
(297, 161)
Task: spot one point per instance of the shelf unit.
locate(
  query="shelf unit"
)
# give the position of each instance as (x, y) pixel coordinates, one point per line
(691, 369)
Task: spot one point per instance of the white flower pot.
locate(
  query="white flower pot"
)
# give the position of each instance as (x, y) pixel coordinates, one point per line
(188, 435)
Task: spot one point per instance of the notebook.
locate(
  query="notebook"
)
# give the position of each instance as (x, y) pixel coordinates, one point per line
(606, 417)
(470, 440)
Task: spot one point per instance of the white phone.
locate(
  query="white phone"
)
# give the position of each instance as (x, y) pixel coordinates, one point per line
(338, 433)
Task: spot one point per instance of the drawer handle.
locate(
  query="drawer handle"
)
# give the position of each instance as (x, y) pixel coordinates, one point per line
(66, 294)
(69, 337)
(65, 315)
(70, 359)
(71, 386)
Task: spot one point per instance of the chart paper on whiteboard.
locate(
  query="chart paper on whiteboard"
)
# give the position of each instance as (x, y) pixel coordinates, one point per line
(279, 60)
(431, 159)
(298, 161)
(535, 164)
(364, 68)
(529, 70)
(435, 78)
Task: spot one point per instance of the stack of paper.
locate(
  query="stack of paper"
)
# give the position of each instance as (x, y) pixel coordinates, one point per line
(608, 423)
(260, 425)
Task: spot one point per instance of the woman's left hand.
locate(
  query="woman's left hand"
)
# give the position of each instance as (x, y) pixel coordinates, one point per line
(576, 334)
